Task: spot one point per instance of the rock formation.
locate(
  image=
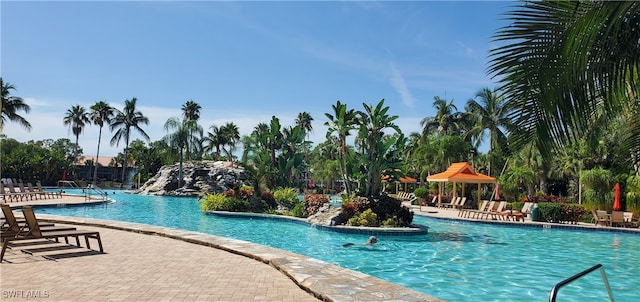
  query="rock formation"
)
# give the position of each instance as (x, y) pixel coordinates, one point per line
(199, 177)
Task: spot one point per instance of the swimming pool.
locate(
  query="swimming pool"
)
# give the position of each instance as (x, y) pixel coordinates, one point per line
(456, 261)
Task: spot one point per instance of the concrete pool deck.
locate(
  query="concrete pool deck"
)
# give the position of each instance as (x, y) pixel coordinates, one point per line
(143, 262)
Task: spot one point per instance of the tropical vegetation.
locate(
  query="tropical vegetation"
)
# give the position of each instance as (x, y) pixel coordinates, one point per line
(562, 127)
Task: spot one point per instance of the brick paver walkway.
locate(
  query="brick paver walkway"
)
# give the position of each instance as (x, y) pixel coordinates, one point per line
(140, 267)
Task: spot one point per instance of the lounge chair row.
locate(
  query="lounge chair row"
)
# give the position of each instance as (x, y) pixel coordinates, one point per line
(14, 229)
(615, 218)
(455, 203)
(495, 210)
(25, 193)
(405, 196)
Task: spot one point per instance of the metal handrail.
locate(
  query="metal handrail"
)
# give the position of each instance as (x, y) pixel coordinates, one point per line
(96, 189)
(556, 288)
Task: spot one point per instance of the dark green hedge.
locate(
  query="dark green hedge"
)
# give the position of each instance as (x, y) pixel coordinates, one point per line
(560, 212)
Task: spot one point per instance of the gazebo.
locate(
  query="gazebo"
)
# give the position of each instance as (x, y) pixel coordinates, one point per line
(459, 173)
(404, 181)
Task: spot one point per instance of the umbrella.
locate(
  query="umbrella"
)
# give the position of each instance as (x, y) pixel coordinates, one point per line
(497, 191)
(64, 174)
(616, 198)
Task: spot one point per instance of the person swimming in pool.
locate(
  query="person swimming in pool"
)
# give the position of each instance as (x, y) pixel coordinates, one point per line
(372, 240)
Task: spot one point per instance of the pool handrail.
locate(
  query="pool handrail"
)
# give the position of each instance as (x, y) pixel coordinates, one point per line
(556, 288)
(93, 188)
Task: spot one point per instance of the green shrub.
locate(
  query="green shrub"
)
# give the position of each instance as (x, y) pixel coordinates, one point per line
(516, 205)
(391, 222)
(560, 213)
(267, 196)
(387, 207)
(258, 205)
(633, 194)
(219, 202)
(288, 196)
(367, 218)
(421, 192)
(297, 211)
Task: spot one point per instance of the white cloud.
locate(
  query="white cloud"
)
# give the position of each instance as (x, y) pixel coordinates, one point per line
(398, 83)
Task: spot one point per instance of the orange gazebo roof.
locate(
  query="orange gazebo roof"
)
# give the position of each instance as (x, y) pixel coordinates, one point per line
(405, 179)
(461, 172)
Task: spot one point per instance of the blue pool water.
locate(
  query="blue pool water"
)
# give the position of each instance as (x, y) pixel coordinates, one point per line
(456, 261)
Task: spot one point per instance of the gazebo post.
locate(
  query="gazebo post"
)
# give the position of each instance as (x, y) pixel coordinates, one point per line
(478, 200)
(439, 194)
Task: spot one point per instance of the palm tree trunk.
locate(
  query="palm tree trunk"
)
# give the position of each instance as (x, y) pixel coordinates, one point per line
(180, 170)
(343, 161)
(124, 163)
(75, 153)
(95, 168)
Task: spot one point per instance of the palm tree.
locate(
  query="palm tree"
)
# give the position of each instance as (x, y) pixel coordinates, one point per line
(182, 137)
(214, 140)
(304, 121)
(11, 105)
(100, 114)
(191, 111)
(341, 123)
(444, 122)
(373, 121)
(230, 137)
(124, 121)
(76, 118)
(489, 111)
(562, 61)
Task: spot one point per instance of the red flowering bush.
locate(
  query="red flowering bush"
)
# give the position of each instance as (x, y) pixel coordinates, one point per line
(245, 193)
(313, 202)
(229, 193)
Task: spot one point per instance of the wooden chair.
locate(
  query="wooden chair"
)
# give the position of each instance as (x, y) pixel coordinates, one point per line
(13, 226)
(629, 221)
(518, 215)
(601, 218)
(461, 203)
(466, 213)
(35, 232)
(487, 211)
(617, 218)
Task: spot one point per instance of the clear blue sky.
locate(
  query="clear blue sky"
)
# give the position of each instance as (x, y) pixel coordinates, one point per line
(242, 61)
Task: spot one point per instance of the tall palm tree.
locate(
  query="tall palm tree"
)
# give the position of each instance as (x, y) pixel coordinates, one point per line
(76, 118)
(214, 141)
(100, 114)
(11, 105)
(230, 137)
(489, 111)
(373, 121)
(191, 111)
(561, 61)
(124, 121)
(304, 121)
(182, 137)
(445, 120)
(341, 122)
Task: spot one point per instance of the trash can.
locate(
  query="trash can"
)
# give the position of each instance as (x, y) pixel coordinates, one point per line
(535, 213)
